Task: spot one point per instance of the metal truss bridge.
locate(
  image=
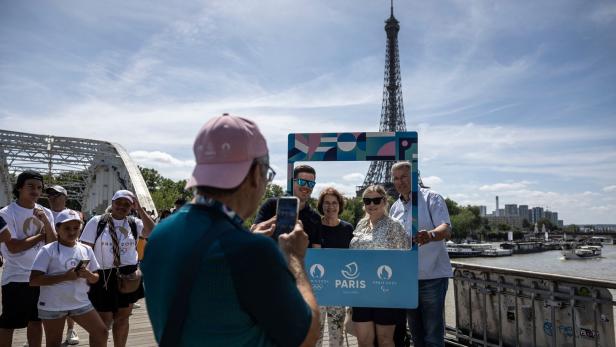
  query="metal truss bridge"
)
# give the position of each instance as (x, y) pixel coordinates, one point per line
(90, 170)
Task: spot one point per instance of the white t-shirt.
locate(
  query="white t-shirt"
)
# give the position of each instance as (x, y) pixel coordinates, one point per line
(103, 248)
(55, 214)
(56, 259)
(22, 224)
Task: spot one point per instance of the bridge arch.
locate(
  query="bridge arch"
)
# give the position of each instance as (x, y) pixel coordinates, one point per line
(90, 170)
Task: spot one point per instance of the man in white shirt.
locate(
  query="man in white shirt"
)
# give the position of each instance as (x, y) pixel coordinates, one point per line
(427, 322)
(30, 226)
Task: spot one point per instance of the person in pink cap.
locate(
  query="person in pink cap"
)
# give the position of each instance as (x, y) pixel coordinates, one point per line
(208, 280)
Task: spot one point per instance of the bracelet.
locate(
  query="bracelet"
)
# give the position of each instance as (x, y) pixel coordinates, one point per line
(432, 235)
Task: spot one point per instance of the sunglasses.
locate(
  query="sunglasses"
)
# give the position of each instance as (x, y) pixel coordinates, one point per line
(302, 183)
(376, 201)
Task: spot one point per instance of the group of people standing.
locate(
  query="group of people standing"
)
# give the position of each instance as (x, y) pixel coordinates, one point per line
(207, 279)
(241, 287)
(380, 228)
(54, 273)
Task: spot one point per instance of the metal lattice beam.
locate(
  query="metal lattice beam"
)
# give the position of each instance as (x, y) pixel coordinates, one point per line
(90, 170)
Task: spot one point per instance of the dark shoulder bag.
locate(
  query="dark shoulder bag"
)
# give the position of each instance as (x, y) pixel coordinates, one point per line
(178, 310)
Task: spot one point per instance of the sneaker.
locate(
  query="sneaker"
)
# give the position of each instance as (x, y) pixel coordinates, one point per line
(71, 337)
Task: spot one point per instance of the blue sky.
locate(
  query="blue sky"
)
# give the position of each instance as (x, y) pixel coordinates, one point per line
(516, 99)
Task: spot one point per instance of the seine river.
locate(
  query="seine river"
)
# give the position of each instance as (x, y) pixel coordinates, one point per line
(603, 268)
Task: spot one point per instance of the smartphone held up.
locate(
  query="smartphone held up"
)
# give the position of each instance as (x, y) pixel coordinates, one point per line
(287, 210)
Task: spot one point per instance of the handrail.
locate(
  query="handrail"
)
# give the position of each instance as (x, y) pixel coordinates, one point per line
(500, 306)
(540, 275)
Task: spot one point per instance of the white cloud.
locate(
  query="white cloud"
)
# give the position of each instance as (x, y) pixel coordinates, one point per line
(432, 181)
(610, 188)
(166, 164)
(347, 190)
(504, 187)
(354, 177)
(160, 158)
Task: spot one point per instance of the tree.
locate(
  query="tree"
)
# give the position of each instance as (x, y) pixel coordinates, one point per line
(353, 210)
(164, 191)
(273, 191)
(452, 206)
(548, 224)
(463, 223)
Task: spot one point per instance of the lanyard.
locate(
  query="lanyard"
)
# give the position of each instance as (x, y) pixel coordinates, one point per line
(220, 208)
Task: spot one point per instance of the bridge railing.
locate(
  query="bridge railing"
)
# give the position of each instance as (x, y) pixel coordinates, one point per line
(504, 307)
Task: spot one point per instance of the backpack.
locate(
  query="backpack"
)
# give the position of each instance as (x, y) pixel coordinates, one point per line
(102, 223)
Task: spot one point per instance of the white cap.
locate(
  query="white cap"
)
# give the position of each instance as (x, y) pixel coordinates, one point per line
(67, 216)
(123, 194)
(58, 189)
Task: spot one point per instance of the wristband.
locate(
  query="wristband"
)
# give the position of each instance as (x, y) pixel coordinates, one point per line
(432, 235)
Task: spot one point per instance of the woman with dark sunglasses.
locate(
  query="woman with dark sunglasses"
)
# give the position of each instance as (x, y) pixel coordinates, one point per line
(377, 231)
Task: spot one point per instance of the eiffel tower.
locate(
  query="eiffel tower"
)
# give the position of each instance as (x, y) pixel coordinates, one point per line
(392, 110)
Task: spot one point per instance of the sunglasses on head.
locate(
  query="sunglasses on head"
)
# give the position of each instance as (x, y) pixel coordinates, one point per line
(302, 182)
(376, 201)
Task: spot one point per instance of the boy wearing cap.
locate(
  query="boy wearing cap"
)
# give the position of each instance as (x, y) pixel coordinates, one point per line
(30, 227)
(114, 246)
(57, 203)
(63, 269)
(210, 281)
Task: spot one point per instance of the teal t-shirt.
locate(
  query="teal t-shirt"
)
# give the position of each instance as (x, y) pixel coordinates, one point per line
(243, 294)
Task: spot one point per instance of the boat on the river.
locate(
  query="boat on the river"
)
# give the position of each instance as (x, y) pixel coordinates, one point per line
(523, 247)
(466, 250)
(574, 250)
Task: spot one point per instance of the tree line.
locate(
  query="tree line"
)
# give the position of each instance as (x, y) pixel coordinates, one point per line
(466, 220)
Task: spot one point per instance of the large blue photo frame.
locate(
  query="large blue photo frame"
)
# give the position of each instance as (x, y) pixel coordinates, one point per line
(360, 278)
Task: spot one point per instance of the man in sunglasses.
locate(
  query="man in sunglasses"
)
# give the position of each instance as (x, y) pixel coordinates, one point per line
(427, 323)
(303, 184)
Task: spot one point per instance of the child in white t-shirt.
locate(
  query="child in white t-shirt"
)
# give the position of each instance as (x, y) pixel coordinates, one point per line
(63, 269)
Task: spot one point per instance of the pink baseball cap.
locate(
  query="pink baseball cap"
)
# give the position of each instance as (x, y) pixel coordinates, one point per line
(224, 151)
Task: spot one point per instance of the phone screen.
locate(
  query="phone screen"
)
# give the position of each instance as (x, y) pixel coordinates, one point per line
(82, 263)
(286, 215)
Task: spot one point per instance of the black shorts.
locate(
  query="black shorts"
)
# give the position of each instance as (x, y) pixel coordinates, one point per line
(109, 298)
(19, 305)
(380, 316)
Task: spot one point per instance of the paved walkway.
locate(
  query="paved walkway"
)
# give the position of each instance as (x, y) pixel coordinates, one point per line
(140, 334)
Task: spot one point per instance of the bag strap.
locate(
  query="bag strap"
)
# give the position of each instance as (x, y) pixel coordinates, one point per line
(102, 223)
(178, 310)
(133, 228)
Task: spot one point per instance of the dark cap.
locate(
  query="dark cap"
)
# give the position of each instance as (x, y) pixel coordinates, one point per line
(23, 177)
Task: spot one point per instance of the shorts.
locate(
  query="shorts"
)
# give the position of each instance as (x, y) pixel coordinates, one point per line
(19, 305)
(109, 298)
(44, 314)
(380, 316)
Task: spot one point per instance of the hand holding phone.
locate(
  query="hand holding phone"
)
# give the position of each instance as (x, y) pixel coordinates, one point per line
(82, 264)
(287, 210)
